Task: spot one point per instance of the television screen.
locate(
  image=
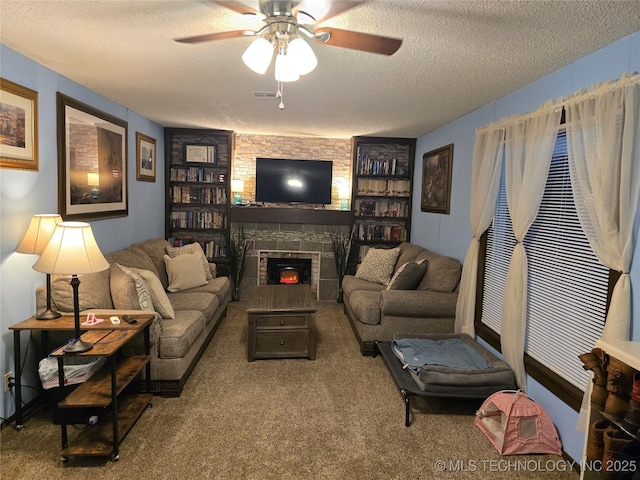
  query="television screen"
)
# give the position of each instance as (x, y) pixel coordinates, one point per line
(293, 181)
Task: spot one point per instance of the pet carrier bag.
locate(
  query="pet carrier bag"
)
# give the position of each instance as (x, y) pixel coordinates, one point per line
(516, 425)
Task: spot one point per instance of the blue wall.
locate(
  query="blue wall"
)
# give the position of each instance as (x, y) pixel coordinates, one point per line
(26, 193)
(451, 234)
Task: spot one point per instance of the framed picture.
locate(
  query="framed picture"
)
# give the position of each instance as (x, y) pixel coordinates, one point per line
(145, 158)
(19, 126)
(436, 180)
(92, 162)
(200, 154)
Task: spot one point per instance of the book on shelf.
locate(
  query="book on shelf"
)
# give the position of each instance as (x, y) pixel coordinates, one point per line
(211, 248)
(196, 174)
(201, 195)
(381, 166)
(377, 187)
(381, 208)
(197, 219)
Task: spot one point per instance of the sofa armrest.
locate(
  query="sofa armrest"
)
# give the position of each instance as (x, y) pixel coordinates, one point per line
(418, 303)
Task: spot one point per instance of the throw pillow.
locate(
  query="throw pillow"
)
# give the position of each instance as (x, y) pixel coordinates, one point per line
(408, 276)
(93, 291)
(378, 264)
(184, 272)
(128, 290)
(191, 249)
(159, 297)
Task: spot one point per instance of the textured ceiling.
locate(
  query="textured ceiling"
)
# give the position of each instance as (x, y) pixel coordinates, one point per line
(457, 56)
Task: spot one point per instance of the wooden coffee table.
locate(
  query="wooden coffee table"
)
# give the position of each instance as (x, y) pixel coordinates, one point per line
(281, 322)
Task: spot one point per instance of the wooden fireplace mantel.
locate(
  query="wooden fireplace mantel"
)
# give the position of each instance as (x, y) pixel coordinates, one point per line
(290, 215)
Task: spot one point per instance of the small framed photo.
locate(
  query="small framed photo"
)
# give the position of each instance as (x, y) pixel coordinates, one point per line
(436, 180)
(145, 158)
(19, 126)
(200, 154)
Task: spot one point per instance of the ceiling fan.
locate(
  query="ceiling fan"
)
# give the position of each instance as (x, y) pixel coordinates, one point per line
(291, 17)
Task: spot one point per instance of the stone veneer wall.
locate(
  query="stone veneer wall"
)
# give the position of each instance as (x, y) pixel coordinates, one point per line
(285, 236)
(249, 147)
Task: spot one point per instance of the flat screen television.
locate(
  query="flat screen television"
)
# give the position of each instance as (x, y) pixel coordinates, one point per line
(293, 181)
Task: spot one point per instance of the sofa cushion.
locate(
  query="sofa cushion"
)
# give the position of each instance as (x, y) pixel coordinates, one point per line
(408, 276)
(351, 284)
(184, 272)
(155, 248)
(443, 273)
(180, 333)
(408, 253)
(207, 303)
(128, 290)
(219, 286)
(93, 291)
(365, 305)
(191, 249)
(161, 302)
(378, 264)
(132, 257)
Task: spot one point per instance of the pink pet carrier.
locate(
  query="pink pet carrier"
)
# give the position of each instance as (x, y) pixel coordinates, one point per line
(516, 425)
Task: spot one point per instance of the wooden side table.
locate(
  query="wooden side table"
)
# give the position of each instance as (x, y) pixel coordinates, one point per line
(281, 322)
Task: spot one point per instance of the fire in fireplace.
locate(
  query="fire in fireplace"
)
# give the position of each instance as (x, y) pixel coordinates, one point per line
(288, 271)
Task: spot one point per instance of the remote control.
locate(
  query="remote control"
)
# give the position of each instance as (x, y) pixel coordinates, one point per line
(129, 319)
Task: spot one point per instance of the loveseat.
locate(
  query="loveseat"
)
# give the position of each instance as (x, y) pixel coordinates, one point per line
(405, 290)
(178, 284)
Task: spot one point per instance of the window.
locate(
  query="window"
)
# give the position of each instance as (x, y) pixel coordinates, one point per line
(567, 285)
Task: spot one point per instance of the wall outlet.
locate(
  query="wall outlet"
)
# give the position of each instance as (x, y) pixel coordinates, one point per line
(7, 382)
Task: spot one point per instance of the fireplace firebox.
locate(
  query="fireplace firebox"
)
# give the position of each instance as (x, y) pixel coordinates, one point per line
(288, 271)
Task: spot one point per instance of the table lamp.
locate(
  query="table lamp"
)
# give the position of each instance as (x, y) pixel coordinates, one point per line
(73, 251)
(343, 195)
(38, 235)
(237, 187)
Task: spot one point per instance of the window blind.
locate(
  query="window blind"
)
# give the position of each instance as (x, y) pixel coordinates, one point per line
(567, 285)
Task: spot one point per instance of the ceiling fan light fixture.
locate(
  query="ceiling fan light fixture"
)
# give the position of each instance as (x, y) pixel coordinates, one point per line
(286, 69)
(302, 55)
(258, 55)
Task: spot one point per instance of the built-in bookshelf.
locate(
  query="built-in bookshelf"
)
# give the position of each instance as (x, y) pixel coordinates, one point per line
(381, 195)
(197, 206)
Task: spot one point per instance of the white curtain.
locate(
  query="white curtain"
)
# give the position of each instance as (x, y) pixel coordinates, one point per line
(603, 142)
(485, 182)
(529, 143)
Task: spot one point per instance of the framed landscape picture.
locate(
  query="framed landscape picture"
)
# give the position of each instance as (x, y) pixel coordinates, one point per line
(145, 158)
(92, 162)
(436, 180)
(18, 126)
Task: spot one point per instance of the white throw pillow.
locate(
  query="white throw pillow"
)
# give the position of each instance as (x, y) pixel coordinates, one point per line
(159, 297)
(378, 264)
(184, 272)
(191, 249)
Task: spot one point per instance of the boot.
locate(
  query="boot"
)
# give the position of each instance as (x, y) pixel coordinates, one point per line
(596, 361)
(631, 422)
(595, 445)
(629, 462)
(614, 440)
(619, 382)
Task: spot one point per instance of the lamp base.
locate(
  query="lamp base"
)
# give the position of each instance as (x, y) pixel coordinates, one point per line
(48, 314)
(78, 346)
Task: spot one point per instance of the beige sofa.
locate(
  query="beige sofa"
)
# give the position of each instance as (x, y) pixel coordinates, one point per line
(378, 313)
(140, 278)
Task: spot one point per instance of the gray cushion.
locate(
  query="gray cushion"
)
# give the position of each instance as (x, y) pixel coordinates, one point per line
(443, 273)
(132, 257)
(408, 276)
(408, 253)
(219, 286)
(351, 284)
(180, 333)
(365, 306)
(155, 249)
(207, 303)
(93, 291)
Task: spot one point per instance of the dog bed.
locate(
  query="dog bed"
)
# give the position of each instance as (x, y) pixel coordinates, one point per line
(430, 380)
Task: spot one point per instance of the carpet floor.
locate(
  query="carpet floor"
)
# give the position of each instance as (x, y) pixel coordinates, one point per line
(338, 417)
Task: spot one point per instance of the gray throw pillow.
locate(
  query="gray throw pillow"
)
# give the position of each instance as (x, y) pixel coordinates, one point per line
(408, 276)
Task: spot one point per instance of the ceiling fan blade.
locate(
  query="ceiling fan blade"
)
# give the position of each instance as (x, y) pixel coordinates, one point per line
(238, 7)
(365, 42)
(212, 36)
(311, 7)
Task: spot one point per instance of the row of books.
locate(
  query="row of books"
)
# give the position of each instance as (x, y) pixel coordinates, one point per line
(197, 219)
(369, 166)
(389, 233)
(378, 208)
(202, 195)
(212, 249)
(196, 174)
(394, 188)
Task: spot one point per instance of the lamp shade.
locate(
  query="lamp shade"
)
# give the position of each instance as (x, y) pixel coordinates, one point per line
(258, 55)
(302, 56)
(237, 186)
(72, 250)
(39, 233)
(286, 70)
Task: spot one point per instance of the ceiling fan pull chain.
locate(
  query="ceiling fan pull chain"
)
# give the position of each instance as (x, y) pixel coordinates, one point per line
(281, 95)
